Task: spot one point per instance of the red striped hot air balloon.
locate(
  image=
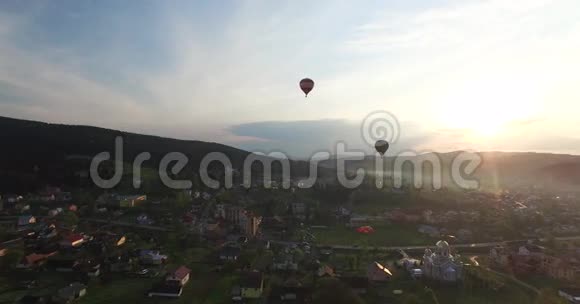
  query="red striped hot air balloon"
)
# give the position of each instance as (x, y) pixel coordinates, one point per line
(365, 229)
(306, 85)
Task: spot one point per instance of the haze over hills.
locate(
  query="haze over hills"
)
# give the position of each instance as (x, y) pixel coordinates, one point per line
(497, 169)
(36, 152)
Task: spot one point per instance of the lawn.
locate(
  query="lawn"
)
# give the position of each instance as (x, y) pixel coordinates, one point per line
(510, 294)
(376, 202)
(384, 235)
(125, 290)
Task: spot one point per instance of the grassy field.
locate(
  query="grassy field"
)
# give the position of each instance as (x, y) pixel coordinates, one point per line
(384, 235)
(510, 294)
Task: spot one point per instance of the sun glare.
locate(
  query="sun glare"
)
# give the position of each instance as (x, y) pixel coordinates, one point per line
(485, 108)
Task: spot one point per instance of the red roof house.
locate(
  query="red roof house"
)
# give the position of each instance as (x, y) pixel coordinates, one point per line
(180, 275)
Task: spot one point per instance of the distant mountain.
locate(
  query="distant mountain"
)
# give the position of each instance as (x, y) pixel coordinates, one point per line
(35, 153)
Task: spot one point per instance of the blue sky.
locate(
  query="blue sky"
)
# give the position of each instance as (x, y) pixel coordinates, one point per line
(483, 75)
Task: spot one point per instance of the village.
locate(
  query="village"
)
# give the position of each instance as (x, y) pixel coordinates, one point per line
(288, 246)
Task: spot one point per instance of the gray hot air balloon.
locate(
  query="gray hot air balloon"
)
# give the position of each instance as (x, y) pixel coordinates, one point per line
(382, 146)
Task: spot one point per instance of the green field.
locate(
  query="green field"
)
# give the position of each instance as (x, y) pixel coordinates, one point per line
(384, 235)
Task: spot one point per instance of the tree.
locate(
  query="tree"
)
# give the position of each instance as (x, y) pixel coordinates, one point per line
(68, 218)
(11, 259)
(334, 291)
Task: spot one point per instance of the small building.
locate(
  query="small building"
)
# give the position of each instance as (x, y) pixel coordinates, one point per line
(229, 253)
(252, 285)
(152, 257)
(33, 260)
(129, 201)
(499, 256)
(298, 210)
(429, 230)
(26, 220)
(179, 276)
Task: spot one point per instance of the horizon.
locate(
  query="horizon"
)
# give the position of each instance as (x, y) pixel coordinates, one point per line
(332, 156)
(476, 75)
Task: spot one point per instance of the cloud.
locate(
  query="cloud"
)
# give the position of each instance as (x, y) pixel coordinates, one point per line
(304, 138)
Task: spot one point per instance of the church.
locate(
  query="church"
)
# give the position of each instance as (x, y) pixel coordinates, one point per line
(441, 265)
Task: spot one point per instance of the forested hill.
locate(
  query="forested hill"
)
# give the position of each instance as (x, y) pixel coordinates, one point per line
(35, 153)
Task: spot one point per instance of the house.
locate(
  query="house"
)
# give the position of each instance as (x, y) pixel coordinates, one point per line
(26, 220)
(325, 271)
(48, 232)
(561, 268)
(570, 294)
(229, 253)
(531, 250)
(72, 240)
(120, 263)
(47, 197)
(129, 201)
(273, 226)
(33, 260)
(92, 268)
(429, 230)
(13, 198)
(298, 210)
(464, 235)
(73, 291)
(152, 257)
(179, 276)
(376, 272)
(250, 223)
(166, 289)
(143, 219)
(499, 256)
(251, 285)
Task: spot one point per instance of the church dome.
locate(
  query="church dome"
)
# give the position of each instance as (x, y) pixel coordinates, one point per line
(442, 245)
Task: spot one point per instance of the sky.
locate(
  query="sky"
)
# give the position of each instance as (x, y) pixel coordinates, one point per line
(478, 75)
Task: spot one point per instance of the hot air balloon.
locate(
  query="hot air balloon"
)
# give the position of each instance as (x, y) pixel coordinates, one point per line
(382, 146)
(306, 85)
(365, 229)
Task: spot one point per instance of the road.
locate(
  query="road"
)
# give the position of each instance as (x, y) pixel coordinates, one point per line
(126, 224)
(507, 277)
(422, 247)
